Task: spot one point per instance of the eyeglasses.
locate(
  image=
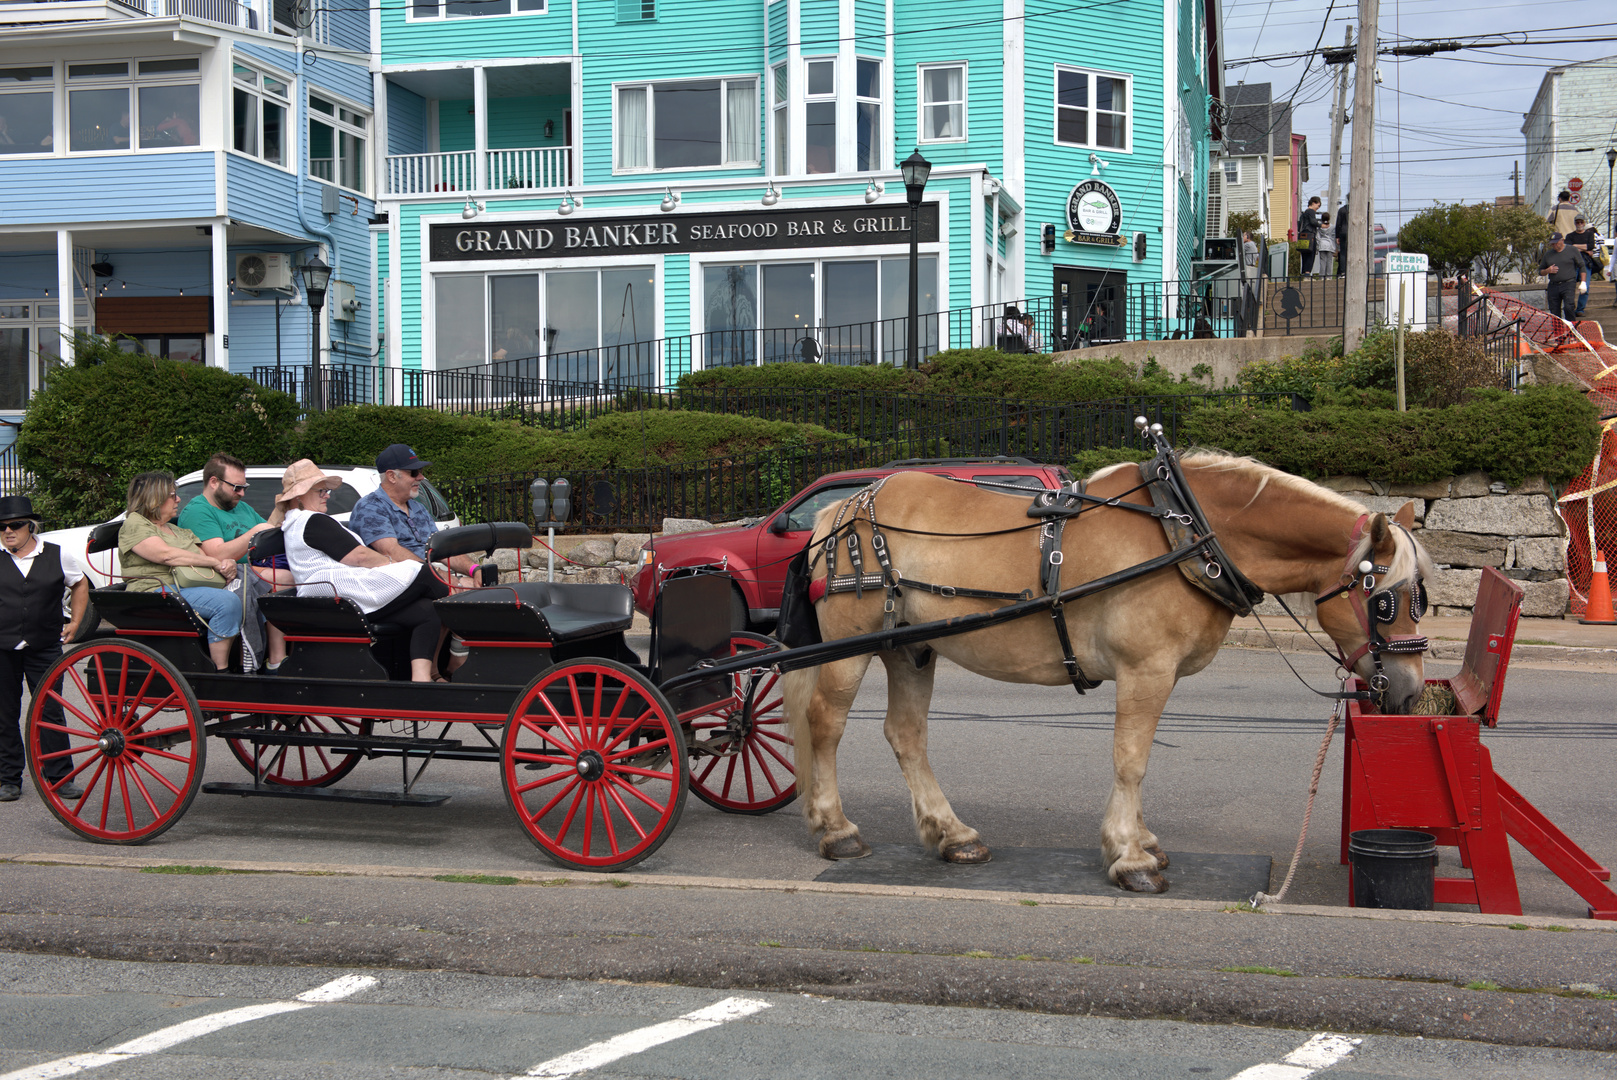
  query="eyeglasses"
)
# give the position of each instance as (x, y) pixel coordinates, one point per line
(10, 526)
(324, 493)
(414, 474)
(173, 495)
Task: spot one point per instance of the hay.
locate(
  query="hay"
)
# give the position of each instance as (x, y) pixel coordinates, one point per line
(1436, 700)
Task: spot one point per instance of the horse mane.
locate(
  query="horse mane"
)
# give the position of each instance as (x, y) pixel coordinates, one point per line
(1409, 557)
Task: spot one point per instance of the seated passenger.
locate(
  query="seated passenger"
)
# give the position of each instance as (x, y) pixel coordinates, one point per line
(324, 557)
(151, 546)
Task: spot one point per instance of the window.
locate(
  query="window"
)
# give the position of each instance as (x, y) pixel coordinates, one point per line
(867, 115)
(165, 95)
(783, 116)
(1092, 109)
(820, 116)
(258, 126)
(336, 144)
(28, 347)
(475, 9)
(630, 11)
(687, 125)
(1232, 170)
(943, 102)
(27, 102)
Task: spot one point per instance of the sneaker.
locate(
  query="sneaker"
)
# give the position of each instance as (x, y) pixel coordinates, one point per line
(10, 792)
(70, 792)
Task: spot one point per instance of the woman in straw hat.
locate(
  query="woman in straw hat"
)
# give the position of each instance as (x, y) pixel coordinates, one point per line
(325, 557)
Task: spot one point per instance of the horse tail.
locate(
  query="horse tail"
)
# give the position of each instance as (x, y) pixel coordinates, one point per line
(797, 688)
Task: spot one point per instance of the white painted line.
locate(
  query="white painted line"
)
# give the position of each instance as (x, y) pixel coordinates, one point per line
(163, 1038)
(633, 1042)
(1320, 1052)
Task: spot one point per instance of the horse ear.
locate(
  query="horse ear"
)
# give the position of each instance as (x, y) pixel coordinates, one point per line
(1378, 530)
(1406, 515)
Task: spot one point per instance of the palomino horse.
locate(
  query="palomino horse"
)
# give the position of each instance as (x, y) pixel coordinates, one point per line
(1284, 533)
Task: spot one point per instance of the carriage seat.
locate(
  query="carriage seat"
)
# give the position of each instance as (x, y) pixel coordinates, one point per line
(338, 625)
(164, 619)
(538, 611)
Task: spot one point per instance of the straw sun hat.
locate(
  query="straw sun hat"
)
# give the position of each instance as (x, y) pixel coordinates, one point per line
(301, 477)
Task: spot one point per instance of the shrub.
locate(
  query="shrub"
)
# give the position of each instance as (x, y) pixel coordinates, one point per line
(1548, 430)
(1440, 369)
(114, 414)
(879, 377)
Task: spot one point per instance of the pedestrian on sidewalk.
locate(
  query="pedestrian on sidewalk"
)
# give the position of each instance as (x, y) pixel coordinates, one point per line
(1582, 239)
(1563, 216)
(1341, 240)
(1307, 229)
(35, 577)
(1560, 264)
(1324, 247)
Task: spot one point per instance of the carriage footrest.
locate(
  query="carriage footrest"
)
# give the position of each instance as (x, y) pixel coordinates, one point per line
(346, 795)
(336, 740)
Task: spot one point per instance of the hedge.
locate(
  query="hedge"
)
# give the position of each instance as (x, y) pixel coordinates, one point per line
(1541, 430)
(461, 446)
(114, 414)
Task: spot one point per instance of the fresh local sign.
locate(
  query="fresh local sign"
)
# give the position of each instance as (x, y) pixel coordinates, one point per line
(1406, 262)
(754, 230)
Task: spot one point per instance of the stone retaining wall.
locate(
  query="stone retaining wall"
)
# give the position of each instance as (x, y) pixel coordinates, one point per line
(587, 560)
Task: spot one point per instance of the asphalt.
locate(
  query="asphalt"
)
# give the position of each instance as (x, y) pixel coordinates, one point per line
(1563, 640)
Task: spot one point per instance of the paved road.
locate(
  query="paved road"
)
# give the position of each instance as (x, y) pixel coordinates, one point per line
(1028, 766)
(166, 1022)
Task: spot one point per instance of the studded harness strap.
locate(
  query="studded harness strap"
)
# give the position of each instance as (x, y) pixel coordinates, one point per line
(1359, 582)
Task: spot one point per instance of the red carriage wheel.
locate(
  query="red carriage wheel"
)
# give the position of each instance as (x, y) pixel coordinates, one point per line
(302, 766)
(127, 723)
(741, 749)
(593, 764)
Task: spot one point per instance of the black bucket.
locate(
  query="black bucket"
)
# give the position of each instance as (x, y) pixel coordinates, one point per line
(1393, 868)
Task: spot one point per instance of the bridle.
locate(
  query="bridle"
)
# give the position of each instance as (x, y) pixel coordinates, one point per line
(1359, 582)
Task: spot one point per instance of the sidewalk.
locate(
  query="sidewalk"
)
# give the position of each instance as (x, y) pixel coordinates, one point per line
(1563, 640)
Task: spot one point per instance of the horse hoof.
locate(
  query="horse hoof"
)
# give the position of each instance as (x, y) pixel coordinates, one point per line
(971, 852)
(847, 847)
(1146, 881)
(1160, 855)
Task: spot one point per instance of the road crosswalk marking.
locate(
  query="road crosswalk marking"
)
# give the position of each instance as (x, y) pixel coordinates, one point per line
(595, 1055)
(163, 1038)
(1320, 1052)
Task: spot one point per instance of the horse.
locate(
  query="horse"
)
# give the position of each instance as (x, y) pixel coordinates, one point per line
(1284, 533)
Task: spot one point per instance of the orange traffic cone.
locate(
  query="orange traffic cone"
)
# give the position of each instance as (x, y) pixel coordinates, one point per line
(1598, 611)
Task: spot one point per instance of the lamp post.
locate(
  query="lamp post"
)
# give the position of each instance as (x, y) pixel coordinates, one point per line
(915, 171)
(316, 275)
(1611, 164)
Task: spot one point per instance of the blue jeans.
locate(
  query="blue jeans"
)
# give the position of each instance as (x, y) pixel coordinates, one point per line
(220, 608)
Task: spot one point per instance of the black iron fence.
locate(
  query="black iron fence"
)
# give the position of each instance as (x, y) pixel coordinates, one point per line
(343, 383)
(14, 479)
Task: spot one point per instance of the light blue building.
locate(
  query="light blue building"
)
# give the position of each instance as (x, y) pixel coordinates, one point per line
(560, 178)
(165, 165)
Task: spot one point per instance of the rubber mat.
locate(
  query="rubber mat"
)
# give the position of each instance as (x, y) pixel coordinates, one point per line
(1191, 876)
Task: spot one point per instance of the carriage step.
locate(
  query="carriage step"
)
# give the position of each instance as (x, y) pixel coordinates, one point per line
(336, 740)
(335, 795)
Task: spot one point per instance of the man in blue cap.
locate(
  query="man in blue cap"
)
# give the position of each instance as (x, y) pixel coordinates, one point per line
(1561, 266)
(391, 521)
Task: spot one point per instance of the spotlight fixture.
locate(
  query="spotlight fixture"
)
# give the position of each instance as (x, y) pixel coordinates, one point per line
(873, 190)
(102, 268)
(1096, 165)
(472, 209)
(670, 200)
(568, 203)
(771, 196)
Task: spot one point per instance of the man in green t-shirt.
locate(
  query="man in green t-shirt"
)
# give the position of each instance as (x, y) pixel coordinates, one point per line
(225, 524)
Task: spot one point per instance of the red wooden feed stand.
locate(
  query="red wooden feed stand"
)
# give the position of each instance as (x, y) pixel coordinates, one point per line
(1432, 773)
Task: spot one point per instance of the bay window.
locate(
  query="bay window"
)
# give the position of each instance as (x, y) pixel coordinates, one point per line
(820, 116)
(259, 105)
(161, 95)
(867, 115)
(337, 144)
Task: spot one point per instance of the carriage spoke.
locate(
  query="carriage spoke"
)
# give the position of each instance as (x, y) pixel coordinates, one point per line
(589, 818)
(616, 718)
(525, 755)
(712, 764)
(123, 789)
(137, 735)
(584, 731)
(606, 820)
(68, 706)
(159, 777)
(523, 789)
(567, 822)
(100, 770)
(642, 796)
(611, 792)
(155, 709)
(764, 769)
(764, 747)
(636, 751)
(631, 770)
(167, 755)
(729, 775)
(85, 692)
(106, 795)
(141, 784)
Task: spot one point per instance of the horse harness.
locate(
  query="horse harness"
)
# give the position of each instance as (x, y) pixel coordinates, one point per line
(1172, 503)
(1360, 582)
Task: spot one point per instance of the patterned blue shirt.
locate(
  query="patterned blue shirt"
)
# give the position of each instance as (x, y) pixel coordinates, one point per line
(375, 516)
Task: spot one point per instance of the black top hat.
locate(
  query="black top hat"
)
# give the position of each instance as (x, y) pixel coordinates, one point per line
(13, 507)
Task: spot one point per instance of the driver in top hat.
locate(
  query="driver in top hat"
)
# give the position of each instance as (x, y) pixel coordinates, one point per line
(391, 520)
(34, 578)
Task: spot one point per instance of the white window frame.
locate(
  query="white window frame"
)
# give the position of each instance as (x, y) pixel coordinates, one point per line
(822, 99)
(289, 143)
(1225, 169)
(650, 86)
(879, 135)
(131, 82)
(923, 103)
(339, 127)
(1090, 73)
(54, 88)
(441, 16)
(780, 118)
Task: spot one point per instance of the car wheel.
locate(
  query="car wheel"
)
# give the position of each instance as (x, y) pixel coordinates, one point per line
(738, 610)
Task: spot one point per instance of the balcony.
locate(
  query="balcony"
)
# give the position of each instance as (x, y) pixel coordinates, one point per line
(537, 168)
(49, 12)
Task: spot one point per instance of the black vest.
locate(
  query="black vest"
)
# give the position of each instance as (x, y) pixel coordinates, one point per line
(31, 607)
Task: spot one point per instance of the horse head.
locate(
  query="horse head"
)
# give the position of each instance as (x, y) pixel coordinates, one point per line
(1374, 608)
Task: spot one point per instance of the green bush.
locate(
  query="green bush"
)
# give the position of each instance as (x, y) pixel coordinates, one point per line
(1542, 430)
(880, 377)
(1440, 369)
(114, 414)
(461, 446)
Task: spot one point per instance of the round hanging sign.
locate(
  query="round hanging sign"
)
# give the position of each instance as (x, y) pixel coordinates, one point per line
(1094, 213)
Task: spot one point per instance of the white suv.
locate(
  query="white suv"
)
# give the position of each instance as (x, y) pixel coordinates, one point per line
(263, 484)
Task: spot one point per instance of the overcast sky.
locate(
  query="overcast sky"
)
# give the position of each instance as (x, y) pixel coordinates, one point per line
(1448, 127)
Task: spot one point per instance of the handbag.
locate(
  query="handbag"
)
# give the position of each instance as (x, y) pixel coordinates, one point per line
(198, 577)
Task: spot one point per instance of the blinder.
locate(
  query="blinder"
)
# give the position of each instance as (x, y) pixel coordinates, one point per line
(1359, 583)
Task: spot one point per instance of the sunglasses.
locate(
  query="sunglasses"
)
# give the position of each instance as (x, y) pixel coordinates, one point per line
(239, 489)
(12, 526)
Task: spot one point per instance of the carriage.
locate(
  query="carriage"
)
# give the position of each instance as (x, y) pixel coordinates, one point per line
(596, 757)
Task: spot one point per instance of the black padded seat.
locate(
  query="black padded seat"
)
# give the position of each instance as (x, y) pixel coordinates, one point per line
(559, 612)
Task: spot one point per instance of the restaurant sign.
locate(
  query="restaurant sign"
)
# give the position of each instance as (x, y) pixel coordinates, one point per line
(1094, 214)
(782, 228)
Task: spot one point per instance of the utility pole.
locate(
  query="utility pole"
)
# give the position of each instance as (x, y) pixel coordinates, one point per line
(1338, 121)
(1515, 183)
(1360, 254)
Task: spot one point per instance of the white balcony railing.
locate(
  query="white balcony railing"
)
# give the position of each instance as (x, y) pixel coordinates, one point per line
(527, 169)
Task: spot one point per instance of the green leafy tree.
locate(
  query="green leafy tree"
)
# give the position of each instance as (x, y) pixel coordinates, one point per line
(1518, 233)
(1241, 221)
(1451, 235)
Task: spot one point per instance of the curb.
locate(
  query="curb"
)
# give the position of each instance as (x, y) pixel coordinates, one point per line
(1297, 641)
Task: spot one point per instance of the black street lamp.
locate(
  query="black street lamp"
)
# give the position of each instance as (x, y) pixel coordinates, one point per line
(316, 276)
(915, 170)
(1611, 164)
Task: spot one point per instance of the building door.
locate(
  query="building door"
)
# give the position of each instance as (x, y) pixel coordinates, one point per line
(1088, 306)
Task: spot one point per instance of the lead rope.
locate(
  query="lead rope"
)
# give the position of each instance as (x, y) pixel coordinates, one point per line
(1260, 898)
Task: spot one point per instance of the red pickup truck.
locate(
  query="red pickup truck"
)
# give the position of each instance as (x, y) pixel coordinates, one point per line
(756, 555)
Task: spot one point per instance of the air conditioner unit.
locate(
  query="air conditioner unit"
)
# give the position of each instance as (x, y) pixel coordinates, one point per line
(264, 270)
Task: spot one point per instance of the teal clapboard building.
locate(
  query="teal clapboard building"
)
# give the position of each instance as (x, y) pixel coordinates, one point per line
(558, 180)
